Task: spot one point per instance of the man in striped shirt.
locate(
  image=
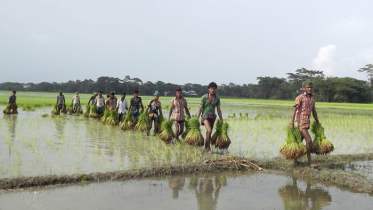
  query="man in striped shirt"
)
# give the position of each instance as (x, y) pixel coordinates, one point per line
(304, 105)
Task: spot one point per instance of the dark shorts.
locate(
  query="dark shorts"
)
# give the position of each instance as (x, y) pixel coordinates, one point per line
(135, 114)
(100, 110)
(60, 106)
(179, 121)
(210, 118)
(153, 117)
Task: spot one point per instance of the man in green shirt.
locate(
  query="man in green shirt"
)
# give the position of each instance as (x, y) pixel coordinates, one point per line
(209, 102)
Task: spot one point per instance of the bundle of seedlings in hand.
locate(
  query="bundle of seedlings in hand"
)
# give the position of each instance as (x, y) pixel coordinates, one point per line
(167, 134)
(160, 122)
(223, 141)
(113, 118)
(55, 110)
(320, 145)
(187, 127)
(218, 127)
(127, 124)
(93, 112)
(142, 124)
(87, 110)
(105, 116)
(293, 148)
(194, 136)
(64, 110)
(7, 109)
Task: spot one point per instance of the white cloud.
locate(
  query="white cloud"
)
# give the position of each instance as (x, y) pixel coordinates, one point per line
(325, 60)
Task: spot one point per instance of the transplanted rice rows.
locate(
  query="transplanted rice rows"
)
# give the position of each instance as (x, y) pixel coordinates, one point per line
(33, 145)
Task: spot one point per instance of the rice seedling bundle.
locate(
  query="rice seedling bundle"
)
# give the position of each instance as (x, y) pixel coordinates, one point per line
(70, 108)
(194, 136)
(55, 110)
(218, 127)
(160, 122)
(142, 124)
(127, 123)
(93, 112)
(167, 134)
(7, 109)
(105, 116)
(64, 110)
(293, 148)
(87, 111)
(222, 140)
(320, 145)
(113, 118)
(187, 127)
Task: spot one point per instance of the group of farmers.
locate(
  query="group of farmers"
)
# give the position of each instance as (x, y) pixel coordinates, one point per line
(302, 109)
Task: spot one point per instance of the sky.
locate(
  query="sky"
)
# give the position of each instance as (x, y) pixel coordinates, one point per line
(193, 41)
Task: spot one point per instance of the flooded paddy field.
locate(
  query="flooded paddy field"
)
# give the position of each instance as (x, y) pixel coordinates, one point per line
(225, 190)
(32, 145)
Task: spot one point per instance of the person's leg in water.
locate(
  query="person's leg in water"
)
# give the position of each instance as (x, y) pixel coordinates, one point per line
(305, 135)
(179, 129)
(208, 135)
(156, 126)
(150, 126)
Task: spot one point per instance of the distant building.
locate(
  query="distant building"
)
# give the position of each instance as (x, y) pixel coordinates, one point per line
(191, 93)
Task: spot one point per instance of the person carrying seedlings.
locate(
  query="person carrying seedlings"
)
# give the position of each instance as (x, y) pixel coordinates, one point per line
(76, 102)
(155, 108)
(207, 107)
(60, 101)
(303, 106)
(110, 102)
(12, 101)
(177, 106)
(100, 103)
(135, 105)
(122, 107)
(92, 99)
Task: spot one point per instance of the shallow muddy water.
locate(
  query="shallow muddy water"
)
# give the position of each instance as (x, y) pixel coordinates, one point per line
(361, 167)
(229, 190)
(32, 145)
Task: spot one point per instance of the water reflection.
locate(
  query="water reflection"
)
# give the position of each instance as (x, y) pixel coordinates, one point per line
(60, 123)
(11, 121)
(176, 184)
(206, 192)
(294, 197)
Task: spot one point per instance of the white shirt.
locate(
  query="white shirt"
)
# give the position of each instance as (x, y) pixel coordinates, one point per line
(122, 106)
(76, 100)
(100, 101)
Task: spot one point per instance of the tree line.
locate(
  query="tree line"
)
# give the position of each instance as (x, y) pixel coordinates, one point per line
(327, 89)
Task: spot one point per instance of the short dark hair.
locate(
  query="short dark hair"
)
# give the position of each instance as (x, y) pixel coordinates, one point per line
(124, 93)
(136, 91)
(307, 83)
(111, 93)
(100, 91)
(212, 85)
(179, 89)
(107, 96)
(14, 91)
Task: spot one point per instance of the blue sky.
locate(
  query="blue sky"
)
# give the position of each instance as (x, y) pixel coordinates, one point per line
(182, 42)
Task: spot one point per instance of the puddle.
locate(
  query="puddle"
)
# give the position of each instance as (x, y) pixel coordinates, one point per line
(361, 167)
(229, 190)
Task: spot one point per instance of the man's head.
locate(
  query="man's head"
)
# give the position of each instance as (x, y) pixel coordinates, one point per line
(77, 93)
(212, 87)
(156, 95)
(136, 93)
(60, 92)
(123, 96)
(95, 93)
(100, 93)
(14, 92)
(307, 87)
(179, 92)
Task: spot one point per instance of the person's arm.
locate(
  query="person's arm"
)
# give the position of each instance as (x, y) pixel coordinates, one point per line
(147, 107)
(57, 100)
(314, 113)
(293, 113)
(199, 110)
(64, 103)
(117, 107)
(89, 100)
(171, 108)
(160, 108)
(9, 99)
(142, 106)
(186, 108)
(219, 113)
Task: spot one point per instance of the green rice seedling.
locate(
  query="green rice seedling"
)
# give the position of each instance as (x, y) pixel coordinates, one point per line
(105, 116)
(142, 124)
(113, 118)
(70, 108)
(28, 107)
(7, 109)
(127, 124)
(55, 110)
(194, 136)
(87, 111)
(93, 112)
(218, 129)
(223, 141)
(320, 145)
(44, 115)
(293, 148)
(187, 128)
(160, 122)
(167, 134)
(79, 109)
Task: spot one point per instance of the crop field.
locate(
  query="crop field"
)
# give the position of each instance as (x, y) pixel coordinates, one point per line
(36, 143)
